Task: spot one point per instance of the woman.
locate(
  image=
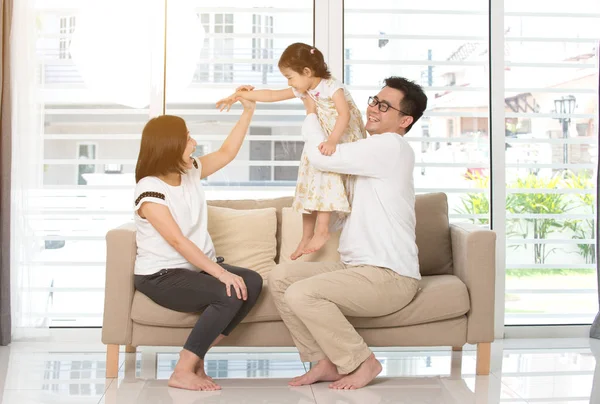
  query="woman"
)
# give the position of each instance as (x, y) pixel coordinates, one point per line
(176, 265)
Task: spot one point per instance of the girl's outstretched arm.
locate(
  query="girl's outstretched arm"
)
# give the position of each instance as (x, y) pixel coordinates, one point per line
(255, 95)
(266, 95)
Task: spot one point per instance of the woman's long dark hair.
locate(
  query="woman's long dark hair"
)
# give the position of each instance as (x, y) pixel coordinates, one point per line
(164, 139)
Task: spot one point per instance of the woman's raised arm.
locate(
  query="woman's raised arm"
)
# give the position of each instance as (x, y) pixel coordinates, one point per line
(213, 162)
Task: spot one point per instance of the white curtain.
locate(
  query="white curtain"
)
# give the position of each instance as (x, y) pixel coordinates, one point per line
(595, 329)
(29, 301)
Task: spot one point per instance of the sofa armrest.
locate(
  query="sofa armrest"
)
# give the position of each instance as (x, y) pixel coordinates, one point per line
(474, 256)
(121, 251)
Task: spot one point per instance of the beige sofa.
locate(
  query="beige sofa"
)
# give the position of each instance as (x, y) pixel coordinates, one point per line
(454, 306)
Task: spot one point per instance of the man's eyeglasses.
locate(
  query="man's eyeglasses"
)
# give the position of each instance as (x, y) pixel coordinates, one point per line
(382, 105)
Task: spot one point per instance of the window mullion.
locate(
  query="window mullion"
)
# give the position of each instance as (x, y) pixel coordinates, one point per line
(158, 57)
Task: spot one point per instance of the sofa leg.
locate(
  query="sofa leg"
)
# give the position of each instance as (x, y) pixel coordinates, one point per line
(112, 361)
(457, 349)
(130, 349)
(484, 353)
(456, 363)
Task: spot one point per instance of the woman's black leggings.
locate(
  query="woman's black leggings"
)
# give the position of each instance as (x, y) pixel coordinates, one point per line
(191, 291)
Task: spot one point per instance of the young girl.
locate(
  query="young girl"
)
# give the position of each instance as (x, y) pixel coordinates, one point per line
(318, 194)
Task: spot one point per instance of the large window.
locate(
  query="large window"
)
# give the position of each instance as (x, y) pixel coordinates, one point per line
(550, 106)
(450, 61)
(78, 172)
(76, 176)
(551, 90)
(90, 140)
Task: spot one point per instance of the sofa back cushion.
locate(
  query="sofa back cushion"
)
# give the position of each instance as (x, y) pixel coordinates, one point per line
(248, 204)
(245, 238)
(291, 226)
(433, 236)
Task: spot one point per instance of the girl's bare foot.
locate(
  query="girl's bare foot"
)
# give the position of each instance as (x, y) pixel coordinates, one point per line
(300, 249)
(323, 371)
(317, 242)
(363, 375)
(191, 381)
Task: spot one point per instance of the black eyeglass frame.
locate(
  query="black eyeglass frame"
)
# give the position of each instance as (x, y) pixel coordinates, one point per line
(375, 102)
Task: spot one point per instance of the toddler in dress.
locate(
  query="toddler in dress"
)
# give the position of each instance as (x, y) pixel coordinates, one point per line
(318, 194)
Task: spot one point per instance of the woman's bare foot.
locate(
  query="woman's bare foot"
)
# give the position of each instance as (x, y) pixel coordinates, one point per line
(316, 243)
(323, 371)
(200, 366)
(191, 381)
(210, 381)
(185, 377)
(363, 375)
(300, 249)
(200, 372)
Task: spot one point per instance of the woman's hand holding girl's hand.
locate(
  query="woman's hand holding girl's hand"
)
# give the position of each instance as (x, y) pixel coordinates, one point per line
(246, 87)
(237, 282)
(327, 148)
(247, 104)
(235, 97)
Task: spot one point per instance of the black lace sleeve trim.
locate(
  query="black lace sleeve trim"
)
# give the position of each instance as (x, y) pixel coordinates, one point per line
(151, 195)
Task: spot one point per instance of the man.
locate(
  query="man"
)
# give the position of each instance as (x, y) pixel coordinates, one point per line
(379, 269)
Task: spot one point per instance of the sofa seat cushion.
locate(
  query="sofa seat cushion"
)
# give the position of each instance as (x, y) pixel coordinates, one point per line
(441, 297)
(145, 311)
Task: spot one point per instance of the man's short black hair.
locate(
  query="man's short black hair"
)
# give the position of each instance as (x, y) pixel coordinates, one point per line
(414, 102)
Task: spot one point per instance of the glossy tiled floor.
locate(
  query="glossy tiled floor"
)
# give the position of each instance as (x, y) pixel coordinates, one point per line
(523, 371)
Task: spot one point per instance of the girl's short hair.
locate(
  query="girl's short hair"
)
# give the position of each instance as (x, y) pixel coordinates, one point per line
(299, 55)
(164, 139)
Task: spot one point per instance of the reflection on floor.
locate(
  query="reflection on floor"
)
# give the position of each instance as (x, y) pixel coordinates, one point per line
(523, 371)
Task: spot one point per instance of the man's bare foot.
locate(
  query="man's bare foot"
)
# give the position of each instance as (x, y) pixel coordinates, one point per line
(363, 375)
(323, 371)
(300, 249)
(191, 381)
(316, 243)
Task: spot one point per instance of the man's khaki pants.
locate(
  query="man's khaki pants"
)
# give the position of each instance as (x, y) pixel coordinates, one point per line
(313, 299)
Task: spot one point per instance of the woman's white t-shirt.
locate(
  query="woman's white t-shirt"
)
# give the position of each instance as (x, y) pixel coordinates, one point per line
(187, 204)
